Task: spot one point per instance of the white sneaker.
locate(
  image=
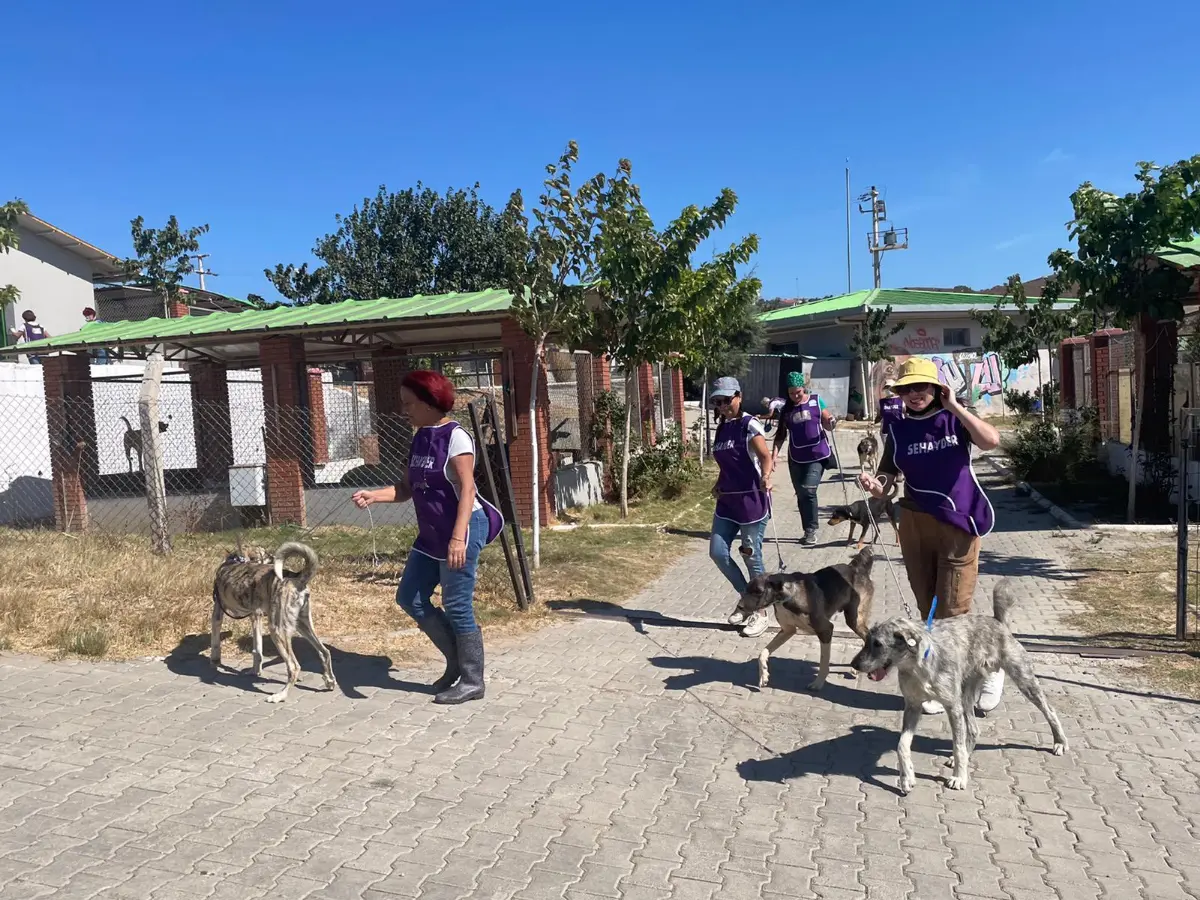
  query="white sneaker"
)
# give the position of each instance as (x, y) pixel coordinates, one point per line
(756, 625)
(736, 617)
(932, 708)
(989, 696)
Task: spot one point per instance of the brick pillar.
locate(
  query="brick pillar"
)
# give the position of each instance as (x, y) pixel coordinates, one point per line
(677, 402)
(177, 309)
(210, 420)
(602, 384)
(1100, 379)
(317, 422)
(586, 396)
(71, 426)
(390, 365)
(289, 462)
(645, 389)
(519, 359)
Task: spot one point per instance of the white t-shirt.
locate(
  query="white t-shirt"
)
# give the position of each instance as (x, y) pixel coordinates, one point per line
(460, 442)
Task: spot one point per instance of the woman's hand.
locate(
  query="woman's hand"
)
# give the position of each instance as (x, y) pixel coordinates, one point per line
(363, 499)
(871, 484)
(949, 400)
(765, 483)
(716, 494)
(456, 554)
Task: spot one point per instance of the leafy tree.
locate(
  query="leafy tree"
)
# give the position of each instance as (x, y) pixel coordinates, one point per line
(1019, 339)
(402, 244)
(548, 266)
(1115, 266)
(10, 214)
(648, 312)
(161, 263)
(870, 344)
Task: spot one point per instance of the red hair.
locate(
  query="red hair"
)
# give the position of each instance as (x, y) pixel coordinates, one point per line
(432, 388)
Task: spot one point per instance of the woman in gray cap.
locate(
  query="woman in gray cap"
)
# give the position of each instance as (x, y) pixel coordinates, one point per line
(743, 492)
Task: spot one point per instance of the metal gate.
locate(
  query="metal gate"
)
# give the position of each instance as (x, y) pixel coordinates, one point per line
(1187, 573)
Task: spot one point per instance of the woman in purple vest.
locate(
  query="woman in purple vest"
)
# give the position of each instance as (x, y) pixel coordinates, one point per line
(803, 423)
(743, 492)
(453, 526)
(944, 510)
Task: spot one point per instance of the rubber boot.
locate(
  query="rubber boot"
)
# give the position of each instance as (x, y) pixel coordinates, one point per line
(437, 629)
(470, 660)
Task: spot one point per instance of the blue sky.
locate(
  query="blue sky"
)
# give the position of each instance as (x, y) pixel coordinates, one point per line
(265, 119)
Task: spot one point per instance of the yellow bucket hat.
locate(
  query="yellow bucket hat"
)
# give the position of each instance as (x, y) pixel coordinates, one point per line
(915, 370)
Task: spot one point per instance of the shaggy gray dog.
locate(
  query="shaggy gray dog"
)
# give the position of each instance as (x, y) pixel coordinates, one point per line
(949, 664)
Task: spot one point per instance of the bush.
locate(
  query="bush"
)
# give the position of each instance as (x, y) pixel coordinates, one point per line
(1044, 450)
(661, 470)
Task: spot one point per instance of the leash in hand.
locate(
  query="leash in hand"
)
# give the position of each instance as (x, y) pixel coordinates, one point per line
(887, 557)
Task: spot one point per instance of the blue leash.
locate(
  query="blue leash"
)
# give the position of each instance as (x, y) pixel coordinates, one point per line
(929, 626)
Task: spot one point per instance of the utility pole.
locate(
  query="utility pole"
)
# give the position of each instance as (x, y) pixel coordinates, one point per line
(849, 289)
(891, 239)
(200, 258)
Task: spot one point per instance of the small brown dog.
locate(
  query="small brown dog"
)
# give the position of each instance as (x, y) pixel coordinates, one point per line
(253, 583)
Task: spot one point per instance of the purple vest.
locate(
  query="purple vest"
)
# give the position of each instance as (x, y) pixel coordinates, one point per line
(740, 497)
(890, 410)
(434, 494)
(934, 454)
(806, 438)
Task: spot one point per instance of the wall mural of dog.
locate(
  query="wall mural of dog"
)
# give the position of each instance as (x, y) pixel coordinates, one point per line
(133, 441)
(252, 582)
(948, 664)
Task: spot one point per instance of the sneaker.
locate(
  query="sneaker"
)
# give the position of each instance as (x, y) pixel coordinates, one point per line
(932, 708)
(736, 617)
(989, 696)
(756, 625)
(810, 538)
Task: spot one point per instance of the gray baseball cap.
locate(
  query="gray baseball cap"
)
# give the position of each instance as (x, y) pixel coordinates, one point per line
(724, 387)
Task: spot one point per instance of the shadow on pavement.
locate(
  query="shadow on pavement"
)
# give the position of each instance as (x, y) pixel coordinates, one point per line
(788, 676)
(352, 671)
(857, 754)
(637, 618)
(993, 563)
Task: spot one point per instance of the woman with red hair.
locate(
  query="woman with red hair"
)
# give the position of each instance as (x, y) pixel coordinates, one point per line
(453, 526)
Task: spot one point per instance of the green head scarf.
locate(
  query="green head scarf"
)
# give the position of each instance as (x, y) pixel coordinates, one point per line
(795, 380)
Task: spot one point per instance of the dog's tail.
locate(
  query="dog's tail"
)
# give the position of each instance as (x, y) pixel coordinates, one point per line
(128, 427)
(310, 562)
(1003, 600)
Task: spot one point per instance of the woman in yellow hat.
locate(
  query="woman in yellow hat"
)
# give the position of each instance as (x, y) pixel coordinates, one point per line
(945, 511)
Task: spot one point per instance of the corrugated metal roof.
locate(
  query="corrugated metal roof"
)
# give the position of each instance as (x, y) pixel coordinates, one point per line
(349, 313)
(1185, 254)
(898, 299)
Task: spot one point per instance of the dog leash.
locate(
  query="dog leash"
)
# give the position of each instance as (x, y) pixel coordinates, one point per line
(838, 460)
(929, 626)
(887, 557)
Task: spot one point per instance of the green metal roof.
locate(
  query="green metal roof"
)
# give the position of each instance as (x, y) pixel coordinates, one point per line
(314, 317)
(898, 299)
(1185, 254)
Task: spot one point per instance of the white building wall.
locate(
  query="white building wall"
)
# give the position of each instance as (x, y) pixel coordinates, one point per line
(55, 283)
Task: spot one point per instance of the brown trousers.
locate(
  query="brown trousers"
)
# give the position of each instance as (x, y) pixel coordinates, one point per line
(942, 561)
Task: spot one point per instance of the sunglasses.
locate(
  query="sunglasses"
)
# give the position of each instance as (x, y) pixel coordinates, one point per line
(912, 388)
(722, 401)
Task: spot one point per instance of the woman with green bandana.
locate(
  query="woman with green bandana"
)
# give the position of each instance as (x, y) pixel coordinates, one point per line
(803, 423)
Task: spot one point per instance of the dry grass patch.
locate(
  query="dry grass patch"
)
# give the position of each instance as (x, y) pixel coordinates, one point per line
(1128, 594)
(107, 596)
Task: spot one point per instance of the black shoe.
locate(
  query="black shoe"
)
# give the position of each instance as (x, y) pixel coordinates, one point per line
(437, 629)
(470, 660)
(810, 538)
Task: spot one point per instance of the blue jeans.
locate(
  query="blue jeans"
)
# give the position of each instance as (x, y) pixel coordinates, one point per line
(720, 550)
(806, 477)
(423, 573)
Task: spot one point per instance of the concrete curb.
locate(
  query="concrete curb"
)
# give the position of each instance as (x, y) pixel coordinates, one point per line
(1057, 512)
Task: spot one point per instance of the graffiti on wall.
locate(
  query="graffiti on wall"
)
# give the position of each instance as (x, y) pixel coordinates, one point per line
(978, 379)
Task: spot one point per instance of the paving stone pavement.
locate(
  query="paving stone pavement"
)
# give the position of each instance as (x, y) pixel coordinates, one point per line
(608, 760)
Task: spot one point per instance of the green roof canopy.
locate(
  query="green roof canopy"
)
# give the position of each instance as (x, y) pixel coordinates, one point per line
(1185, 254)
(902, 301)
(334, 331)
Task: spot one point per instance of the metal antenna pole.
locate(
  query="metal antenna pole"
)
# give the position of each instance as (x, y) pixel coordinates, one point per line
(849, 289)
